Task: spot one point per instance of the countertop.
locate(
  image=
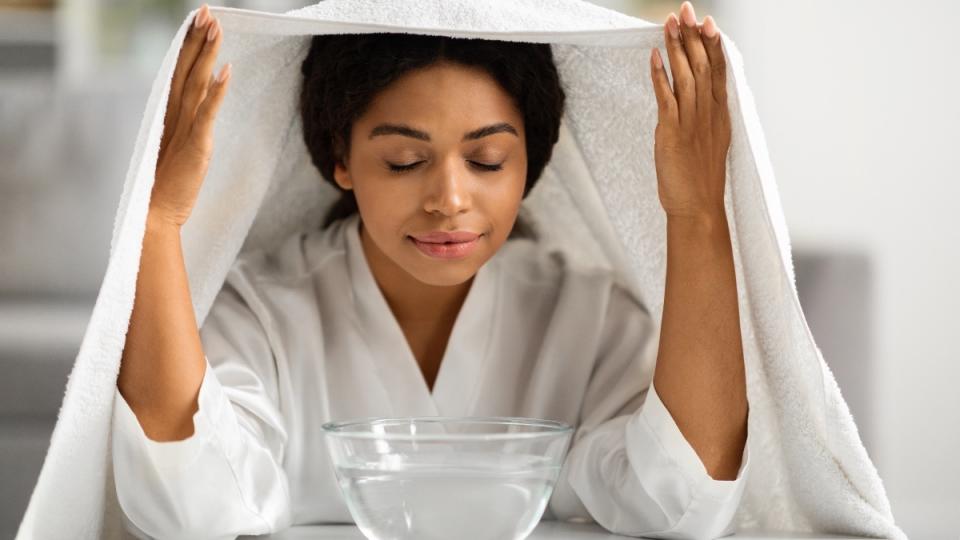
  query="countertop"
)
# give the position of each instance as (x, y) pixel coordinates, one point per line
(546, 530)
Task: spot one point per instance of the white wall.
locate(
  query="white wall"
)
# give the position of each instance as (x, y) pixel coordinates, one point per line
(860, 103)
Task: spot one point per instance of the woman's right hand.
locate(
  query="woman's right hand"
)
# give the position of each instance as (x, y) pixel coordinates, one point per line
(187, 142)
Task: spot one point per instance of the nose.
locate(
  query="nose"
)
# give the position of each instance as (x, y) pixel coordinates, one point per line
(448, 192)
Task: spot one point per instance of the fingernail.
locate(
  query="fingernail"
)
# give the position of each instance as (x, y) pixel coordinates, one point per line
(689, 17)
(709, 27)
(224, 73)
(214, 28)
(673, 26)
(657, 61)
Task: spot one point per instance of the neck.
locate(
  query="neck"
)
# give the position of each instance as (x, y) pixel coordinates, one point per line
(411, 300)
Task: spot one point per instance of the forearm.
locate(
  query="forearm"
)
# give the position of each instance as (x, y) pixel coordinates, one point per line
(700, 374)
(162, 364)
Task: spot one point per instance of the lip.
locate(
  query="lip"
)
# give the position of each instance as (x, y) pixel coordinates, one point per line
(442, 237)
(450, 249)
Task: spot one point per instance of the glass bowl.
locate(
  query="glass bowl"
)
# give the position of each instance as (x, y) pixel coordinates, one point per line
(444, 478)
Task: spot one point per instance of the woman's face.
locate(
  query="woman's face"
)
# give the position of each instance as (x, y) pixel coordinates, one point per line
(440, 149)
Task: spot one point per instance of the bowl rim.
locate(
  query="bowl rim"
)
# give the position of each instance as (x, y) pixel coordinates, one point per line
(555, 428)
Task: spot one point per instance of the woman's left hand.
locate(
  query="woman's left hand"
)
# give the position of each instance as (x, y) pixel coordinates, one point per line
(693, 131)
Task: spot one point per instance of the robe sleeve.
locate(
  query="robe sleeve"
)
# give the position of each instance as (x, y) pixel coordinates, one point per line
(225, 479)
(629, 464)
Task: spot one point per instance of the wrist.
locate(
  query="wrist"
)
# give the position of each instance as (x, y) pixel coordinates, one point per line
(699, 237)
(159, 222)
(703, 222)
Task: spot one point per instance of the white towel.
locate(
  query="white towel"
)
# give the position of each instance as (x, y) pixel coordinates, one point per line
(598, 199)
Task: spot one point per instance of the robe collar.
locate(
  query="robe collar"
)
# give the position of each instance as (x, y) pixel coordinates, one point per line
(458, 380)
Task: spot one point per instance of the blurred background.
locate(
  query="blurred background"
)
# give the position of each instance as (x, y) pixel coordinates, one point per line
(858, 101)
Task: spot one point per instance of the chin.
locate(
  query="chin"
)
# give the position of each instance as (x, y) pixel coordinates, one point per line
(443, 274)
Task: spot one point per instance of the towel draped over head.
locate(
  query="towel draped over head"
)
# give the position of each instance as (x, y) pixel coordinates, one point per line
(597, 200)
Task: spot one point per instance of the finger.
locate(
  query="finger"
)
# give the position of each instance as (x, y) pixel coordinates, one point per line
(666, 102)
(697, 55)
(189, 50)
(683, 83)
(197, 81)
(718, 64)
(202, 130)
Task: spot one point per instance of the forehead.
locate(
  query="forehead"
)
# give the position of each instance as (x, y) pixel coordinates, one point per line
(443, 91)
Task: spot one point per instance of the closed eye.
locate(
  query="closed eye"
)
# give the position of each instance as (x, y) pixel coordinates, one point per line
(401, 168)
(487, 166)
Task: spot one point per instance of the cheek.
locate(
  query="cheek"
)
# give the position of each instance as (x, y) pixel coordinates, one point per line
(502, 202)
(384, 199)
(382, 212)
(505, 196)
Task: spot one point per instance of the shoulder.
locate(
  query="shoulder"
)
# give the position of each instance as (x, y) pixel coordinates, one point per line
(299, 255)
(530, 270)
(270, 280)
(526, 262)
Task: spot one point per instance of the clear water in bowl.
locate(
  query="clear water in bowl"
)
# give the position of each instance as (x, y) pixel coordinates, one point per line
(430, 497)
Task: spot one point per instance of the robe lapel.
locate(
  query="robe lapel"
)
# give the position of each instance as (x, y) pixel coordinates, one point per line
(455, 391)
(458, 380)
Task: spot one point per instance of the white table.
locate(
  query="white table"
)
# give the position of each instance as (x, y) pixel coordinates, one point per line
(546, 530)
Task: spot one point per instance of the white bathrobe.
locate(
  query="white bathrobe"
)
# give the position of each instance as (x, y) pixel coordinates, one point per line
(302, 335)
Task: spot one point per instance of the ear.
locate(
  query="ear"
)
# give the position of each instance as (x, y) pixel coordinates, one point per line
(341, 174)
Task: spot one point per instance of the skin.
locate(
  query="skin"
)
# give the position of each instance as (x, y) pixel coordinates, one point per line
(700, 374)
(448, 188)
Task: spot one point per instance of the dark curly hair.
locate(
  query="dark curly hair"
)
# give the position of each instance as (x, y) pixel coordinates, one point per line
(343, 72)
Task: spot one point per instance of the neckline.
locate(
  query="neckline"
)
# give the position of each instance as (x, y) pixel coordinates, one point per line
(457, 381)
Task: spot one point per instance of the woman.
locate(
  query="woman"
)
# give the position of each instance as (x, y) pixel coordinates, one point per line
(436, 141)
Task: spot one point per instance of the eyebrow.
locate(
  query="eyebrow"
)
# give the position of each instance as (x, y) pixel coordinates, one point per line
(407, 131)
